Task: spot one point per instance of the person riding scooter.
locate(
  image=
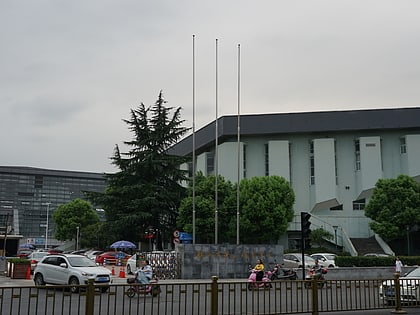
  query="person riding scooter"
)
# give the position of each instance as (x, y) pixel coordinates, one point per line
(145, 273)
(259, 269)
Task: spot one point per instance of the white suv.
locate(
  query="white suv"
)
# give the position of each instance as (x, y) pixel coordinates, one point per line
(71, 269)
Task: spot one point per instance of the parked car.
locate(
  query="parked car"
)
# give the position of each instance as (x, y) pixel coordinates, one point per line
(376, 255)
(36, 257)
(409, 288)
(112, 258)
(24, 253)
(131, 264)
(325, 259)
(71, 269)
(294, 260)
(91, 254)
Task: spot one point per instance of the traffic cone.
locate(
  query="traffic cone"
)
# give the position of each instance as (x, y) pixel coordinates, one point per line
(113, 271)
(28, 273)
(122, 273)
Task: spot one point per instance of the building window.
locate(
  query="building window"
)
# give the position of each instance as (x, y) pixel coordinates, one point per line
(210, 163)
(339, 207)
(357, 154)
(335, 163)
(244, 158)
(312, 163)
(190, 169)
(403, 145)
(359, 204)
(266, 160)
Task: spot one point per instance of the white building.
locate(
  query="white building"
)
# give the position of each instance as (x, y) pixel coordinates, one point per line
(332, 159)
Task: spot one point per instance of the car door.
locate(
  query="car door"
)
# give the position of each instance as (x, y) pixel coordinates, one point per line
(62, 273)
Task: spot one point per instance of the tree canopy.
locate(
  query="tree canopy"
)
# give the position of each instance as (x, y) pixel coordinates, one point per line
(145, 193)
(265, 209)
(69, 216)
(266, 205)
(205, 209)
(394, 207)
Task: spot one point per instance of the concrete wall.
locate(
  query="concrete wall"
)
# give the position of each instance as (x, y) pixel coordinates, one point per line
(363, 273)
(202, 261)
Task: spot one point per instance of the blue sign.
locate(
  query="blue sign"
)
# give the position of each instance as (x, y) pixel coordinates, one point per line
(185, 237)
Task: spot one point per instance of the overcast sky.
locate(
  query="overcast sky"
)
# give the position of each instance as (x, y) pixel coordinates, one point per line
(70, 71)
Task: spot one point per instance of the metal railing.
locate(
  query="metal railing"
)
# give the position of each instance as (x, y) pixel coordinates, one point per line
(214, 297)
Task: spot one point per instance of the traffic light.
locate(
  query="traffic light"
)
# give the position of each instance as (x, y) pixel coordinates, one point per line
(305, 224)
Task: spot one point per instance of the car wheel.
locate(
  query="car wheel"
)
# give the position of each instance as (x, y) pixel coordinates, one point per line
(156, 291)
(130, 292)
(129, 270)
(74, 285)
(39, 280)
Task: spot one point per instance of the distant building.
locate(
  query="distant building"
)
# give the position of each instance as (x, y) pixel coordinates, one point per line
(332, 159)
(28, 195)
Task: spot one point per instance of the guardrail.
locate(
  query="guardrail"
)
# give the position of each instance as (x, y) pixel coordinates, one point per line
(214, 297)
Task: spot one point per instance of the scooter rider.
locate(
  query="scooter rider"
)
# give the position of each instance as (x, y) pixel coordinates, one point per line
(259, 269)
(145, 273)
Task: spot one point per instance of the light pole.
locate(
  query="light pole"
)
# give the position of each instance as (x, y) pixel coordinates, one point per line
(77, 238)
(46, 225)
(335, 227)
(408, 240)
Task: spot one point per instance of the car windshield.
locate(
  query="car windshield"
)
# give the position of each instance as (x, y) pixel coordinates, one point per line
(414, 273)
(309, 259)
(81, 262)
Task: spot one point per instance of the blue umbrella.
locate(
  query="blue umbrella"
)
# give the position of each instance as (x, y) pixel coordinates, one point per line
(27, 246)
(123, 244)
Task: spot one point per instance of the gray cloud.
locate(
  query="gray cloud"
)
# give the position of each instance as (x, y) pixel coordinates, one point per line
(71, 70)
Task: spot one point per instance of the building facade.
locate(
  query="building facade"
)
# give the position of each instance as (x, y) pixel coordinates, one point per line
(29, 196)
(332, 159)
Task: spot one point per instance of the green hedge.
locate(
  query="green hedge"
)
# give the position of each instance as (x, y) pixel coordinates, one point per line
(372, 261)
(22, 261)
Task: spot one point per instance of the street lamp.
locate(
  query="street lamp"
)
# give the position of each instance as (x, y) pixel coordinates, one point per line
(77, 238)
(335, 227)
(46, 225)
(408, 240)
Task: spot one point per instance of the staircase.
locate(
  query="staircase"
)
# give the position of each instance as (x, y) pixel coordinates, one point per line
(366, 245)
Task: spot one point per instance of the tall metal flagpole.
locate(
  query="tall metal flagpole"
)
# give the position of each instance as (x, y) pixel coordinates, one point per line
(239, 145)
(193, 137)
(216, 156)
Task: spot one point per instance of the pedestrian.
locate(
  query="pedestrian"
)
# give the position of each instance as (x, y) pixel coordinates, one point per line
(398, 265)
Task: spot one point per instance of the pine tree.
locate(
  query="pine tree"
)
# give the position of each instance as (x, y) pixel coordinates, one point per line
(145, 194)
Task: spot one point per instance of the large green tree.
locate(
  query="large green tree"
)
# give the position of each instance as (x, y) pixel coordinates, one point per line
(394, 207)
(76, 215)
(205, 209)
(146, 190)
(266, 205)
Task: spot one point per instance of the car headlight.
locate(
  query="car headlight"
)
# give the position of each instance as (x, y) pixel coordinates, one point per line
(88, 275)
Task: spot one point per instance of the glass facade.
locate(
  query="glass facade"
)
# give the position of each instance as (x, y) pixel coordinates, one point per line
(29, 196)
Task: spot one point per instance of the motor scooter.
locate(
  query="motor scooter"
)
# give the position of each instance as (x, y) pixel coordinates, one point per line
(152, 288)
(318, 274)
(254, 284)
(279, 273)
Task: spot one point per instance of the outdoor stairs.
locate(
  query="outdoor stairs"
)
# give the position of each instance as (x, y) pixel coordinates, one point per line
(366, 245)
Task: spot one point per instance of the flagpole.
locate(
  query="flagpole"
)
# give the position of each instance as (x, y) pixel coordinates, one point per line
(193, 138)
(216, 157)
(239, 145)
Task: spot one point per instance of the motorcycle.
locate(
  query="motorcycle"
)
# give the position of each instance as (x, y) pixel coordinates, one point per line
(254, 284)
(152, 288)
(279, 273)
(318, 274)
